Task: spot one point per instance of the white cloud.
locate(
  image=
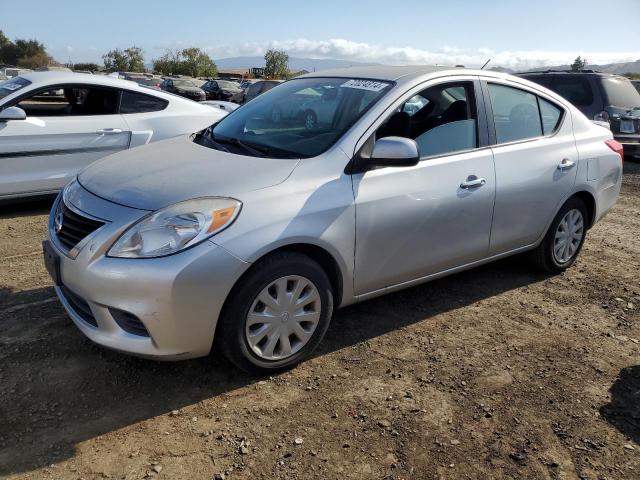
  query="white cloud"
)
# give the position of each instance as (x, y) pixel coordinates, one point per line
(339, 48)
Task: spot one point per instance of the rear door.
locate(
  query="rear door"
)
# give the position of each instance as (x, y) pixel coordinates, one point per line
(58, 138)
(535, 162)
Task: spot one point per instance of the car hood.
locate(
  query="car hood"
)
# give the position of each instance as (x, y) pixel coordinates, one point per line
(170, 171)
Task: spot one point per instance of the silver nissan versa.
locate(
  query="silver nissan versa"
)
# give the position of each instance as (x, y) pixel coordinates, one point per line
(246, 236)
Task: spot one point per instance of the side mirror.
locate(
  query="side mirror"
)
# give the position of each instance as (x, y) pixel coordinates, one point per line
(394, 152)
(12, 113)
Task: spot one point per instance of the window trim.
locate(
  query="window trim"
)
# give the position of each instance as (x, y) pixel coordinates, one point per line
(122, 90)
(493, 142)
(60, 86)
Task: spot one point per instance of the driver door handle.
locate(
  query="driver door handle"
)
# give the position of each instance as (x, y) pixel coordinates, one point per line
(108, 131)
(472, 182)
(566, 164)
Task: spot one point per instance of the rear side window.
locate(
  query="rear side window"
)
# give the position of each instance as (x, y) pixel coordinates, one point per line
(544, 80)
(551, 115)
(515, 114)
(574, 88)
(134, 102)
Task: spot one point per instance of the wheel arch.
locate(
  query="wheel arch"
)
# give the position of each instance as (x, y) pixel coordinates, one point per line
(590, 202)
(317, 253)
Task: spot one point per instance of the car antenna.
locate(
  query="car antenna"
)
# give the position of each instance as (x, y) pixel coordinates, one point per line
(485, 64)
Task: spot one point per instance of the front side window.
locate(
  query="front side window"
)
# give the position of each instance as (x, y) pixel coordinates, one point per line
(441, 119)
(134, 102)
(515, 114)
(74, 100)
(301, 118)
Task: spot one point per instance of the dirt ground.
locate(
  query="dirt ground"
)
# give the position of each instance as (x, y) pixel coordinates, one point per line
(494, 373)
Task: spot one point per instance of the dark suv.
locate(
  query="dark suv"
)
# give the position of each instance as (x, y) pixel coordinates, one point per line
(600, 96)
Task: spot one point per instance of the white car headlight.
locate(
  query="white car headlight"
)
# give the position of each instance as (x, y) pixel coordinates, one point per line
(176, 227)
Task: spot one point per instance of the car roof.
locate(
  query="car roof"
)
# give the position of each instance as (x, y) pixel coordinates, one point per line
(45, 78)
(569, 72)
(382, 72)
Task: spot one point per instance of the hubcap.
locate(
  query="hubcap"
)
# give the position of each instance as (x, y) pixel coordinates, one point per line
(283, 317)
(568, 236)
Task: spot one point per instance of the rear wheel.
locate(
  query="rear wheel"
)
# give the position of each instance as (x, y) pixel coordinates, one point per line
(564, 239)
(277, 315)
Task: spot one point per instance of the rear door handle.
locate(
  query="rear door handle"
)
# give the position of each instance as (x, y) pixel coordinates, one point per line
(108, 131)
(473, 182)
(566, 164)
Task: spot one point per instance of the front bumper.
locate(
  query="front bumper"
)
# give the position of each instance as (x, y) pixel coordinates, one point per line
(177, 298)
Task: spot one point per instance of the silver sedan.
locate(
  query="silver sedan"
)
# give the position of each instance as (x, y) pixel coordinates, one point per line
(246, 236)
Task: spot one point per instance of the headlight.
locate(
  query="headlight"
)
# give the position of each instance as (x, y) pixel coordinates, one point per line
(174, 228)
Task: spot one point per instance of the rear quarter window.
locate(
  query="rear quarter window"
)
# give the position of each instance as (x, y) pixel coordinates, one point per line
(576, 89)
(135, 102)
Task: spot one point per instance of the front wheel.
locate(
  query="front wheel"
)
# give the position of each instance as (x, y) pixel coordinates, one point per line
(564, 239)
(277, 315)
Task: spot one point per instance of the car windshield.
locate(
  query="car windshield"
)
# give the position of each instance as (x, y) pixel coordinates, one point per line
(227, 84)
(188, 83)
(298, 119)
(148, 81)
(12, 85)
(621, 93)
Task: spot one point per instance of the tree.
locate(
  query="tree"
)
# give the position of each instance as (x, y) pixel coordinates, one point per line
(578, 64)
(128, 60)
(196, 63)
(37, 60)
(23, 52)
(91, 67)
(276, 64)
(189, 61)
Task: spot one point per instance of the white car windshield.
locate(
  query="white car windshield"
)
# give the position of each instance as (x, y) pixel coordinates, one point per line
(297, 119)
(12, 85)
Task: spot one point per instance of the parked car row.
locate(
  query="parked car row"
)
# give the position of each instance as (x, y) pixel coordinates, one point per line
(52, 124)
(603, 97)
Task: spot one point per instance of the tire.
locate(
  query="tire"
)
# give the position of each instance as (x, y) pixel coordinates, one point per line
(310, 120)
(545, 256)
(237, 333)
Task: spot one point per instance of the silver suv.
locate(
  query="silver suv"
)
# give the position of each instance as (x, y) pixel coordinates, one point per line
(249, 234)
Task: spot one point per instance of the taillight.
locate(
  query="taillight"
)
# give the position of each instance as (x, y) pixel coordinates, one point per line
(616, 147)
(603, 116)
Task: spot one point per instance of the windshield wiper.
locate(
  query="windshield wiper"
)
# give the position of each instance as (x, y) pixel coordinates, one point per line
(239, 143)
(207, 137)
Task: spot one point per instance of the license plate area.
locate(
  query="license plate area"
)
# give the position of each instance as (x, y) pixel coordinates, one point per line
(627, 126)
(52, 262)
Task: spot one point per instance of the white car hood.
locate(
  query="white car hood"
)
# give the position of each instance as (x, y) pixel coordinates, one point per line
(170, 171)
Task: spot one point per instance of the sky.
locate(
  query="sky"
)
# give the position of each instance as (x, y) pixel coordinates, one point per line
(513, 33)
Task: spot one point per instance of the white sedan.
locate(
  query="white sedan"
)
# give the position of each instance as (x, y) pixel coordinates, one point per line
(52, 124)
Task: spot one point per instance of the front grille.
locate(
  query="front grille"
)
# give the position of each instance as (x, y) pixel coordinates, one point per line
(129, 322)
(79, 306)
(71, 227)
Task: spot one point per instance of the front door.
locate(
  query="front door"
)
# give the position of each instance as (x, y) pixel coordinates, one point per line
(412, 222)
(58, 138)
